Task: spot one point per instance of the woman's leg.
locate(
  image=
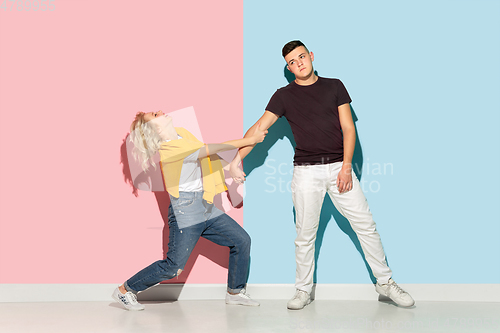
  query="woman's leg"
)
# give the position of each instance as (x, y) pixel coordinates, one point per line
(224, 231)
(180, 245)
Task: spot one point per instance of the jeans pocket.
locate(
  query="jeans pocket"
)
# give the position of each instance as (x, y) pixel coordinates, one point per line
(183, 202)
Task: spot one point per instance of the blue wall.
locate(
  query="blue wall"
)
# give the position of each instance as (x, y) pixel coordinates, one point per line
(424, 77)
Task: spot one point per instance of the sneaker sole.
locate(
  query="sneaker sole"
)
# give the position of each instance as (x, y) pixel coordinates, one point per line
(238, 303)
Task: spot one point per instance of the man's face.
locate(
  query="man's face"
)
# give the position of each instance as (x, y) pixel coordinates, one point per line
(299, 62)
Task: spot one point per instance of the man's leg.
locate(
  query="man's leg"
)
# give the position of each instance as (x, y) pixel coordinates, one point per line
(308, 192)
(224, 231)
(354, 207)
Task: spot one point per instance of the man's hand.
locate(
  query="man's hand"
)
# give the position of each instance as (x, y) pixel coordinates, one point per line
(237, 174)
(344, 179)
(257, 134)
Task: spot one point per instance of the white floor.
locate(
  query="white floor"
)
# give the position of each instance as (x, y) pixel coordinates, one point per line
(272, 316)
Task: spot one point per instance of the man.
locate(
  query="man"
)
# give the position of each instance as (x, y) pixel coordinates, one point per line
(319, 115)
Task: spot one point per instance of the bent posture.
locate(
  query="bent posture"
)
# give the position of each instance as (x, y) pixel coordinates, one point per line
(319, 115)
(193, 175)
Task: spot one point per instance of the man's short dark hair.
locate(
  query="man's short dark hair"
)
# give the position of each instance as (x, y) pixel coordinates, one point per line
(290, 46)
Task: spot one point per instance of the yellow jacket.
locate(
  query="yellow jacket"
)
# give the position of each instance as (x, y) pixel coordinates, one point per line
(172, 156)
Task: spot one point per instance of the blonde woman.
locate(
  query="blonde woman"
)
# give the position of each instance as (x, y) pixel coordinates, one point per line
(193, 175)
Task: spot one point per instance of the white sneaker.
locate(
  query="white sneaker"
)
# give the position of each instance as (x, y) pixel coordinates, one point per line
(299, 300)
(241, 299)
(394, 292)
(128, 300)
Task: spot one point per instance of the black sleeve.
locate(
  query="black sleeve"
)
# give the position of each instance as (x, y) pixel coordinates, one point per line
(276, 105)
(342, 94)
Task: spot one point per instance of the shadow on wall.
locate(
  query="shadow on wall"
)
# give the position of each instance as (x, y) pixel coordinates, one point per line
(127, 174)
(215, 253)
(258, 155)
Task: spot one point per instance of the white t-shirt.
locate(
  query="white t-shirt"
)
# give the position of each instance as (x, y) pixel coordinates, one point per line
(190, 180)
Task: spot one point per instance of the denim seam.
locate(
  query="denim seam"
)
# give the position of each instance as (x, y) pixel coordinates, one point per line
(236, 257)
(149, 276)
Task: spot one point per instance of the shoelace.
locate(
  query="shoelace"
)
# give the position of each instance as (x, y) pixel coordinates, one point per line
(397, 288)
(132, 298)
(297, 294)
(243, 293)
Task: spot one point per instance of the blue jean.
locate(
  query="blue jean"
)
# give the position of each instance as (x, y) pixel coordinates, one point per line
(221, 230)
(190, 209)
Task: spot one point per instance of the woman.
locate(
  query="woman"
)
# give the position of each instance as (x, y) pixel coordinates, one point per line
(193, 175)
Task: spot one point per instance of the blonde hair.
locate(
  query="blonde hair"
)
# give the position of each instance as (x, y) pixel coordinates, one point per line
(146, 141)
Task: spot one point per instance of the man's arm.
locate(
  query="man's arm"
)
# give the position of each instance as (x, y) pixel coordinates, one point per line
(344, 179)
(266, 121)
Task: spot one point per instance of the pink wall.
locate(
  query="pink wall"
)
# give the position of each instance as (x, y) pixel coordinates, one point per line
(71, 81)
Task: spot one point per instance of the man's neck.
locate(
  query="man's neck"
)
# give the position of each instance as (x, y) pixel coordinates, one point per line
(307, 81)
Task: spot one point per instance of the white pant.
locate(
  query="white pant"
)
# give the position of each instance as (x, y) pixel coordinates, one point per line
(309, 185)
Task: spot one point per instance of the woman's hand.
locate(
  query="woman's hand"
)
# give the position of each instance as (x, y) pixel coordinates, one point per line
(258, 135)
(237, 174)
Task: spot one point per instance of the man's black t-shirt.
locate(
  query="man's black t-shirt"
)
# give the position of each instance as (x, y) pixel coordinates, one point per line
(313, 114)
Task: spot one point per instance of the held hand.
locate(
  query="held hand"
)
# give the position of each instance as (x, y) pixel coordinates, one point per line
(344, 179)
(258, 135)
(237, 174)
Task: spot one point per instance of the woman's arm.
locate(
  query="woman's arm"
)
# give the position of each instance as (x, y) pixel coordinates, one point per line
(215, 148)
